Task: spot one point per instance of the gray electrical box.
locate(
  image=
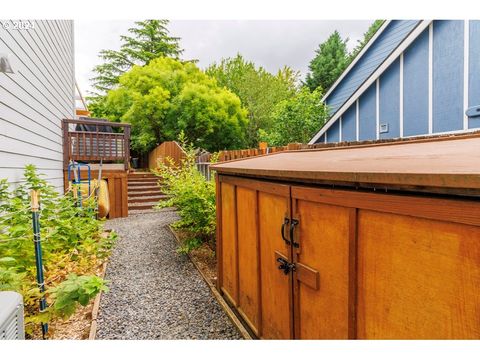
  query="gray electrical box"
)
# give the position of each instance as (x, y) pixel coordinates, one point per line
(11, 316)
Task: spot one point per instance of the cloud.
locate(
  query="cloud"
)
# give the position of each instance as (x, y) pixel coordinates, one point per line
(268, 43)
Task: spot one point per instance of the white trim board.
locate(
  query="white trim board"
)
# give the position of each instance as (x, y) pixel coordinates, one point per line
(357, 58)
(400, 102)
(422, 25)
(466, 70)
(430, 78)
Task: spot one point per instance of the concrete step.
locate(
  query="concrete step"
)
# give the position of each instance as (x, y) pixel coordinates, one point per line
(145, 211)
(141, 183)
(137, 189)
(157, 192)
(141, 175)
(143, 179)
(146, 198)
(142, 205)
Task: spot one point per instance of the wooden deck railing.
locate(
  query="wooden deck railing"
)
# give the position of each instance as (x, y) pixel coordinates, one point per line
(93, 146)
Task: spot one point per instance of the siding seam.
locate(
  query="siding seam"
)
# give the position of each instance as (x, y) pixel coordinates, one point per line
(29, 130)
(30, 143)
(466, 68)
(29, 118)
(430, 78)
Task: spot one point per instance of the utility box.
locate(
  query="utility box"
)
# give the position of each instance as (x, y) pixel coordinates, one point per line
(11, 316)
(372, 241)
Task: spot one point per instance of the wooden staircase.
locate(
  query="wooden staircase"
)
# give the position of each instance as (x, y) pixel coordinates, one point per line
(143, 192)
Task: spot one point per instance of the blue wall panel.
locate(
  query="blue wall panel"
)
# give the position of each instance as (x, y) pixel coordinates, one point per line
(349, 124)
(415, 87)
(474, 71)
(391, 37)
(447, 75)
(367, 120)
(321, 139)
(389, 98)
(333, 134)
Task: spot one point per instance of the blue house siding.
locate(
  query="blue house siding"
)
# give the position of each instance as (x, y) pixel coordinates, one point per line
(349, 124)
(415, 87)
(389, 101)
(368, 115)
(333, 134)
(434, 79)
(474, 71)
(448, 51)
(375, 55)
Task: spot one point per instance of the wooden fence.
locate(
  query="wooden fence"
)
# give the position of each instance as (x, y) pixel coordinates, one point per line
(173, 150)
(166, 149)
(227, 155)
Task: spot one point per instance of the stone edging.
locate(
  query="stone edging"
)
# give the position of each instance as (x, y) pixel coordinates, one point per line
(233, 317)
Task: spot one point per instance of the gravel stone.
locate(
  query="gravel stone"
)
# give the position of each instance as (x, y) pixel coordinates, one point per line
(156, 293)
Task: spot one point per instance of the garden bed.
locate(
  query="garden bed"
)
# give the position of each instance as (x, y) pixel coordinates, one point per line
(82, 324)
(42, 229)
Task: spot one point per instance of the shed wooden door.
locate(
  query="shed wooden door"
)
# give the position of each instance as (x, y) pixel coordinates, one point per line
(325, 237)
(251, 215)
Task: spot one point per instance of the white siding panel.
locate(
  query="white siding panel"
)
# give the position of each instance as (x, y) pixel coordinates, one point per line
(25, 65)
(35, 98)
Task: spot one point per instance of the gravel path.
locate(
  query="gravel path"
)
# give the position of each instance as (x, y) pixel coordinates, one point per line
(156, 293)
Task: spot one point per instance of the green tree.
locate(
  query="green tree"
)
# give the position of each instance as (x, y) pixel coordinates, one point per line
(167, 97)
(297, 119)
(366, 38)
(329, 62)
(148, 40)
(258, 90)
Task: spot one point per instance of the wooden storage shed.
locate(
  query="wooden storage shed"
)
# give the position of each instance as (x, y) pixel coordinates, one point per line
(361, 242)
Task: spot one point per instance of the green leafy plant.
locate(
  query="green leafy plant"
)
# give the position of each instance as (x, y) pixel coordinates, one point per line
(76, 290)
(73, 241)
(193, 196)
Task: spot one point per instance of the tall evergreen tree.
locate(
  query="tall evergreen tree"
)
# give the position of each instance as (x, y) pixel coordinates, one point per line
(366, 38)
(329, 62)
(148, 40)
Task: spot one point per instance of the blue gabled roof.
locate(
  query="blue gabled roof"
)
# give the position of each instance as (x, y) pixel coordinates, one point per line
(381, 46)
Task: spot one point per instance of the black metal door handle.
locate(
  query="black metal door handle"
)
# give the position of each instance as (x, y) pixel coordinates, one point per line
(286, 221)
(293, 223)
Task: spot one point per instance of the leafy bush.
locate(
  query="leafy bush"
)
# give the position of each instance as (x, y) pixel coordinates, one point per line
(193, 196)
(72, 243)
(297, 119)
(76, 289)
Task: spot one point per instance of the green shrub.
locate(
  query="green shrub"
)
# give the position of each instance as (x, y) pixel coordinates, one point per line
(194, 198)
(72, 243)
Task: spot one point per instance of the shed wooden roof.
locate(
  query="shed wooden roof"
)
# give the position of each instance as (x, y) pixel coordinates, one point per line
(441, 165)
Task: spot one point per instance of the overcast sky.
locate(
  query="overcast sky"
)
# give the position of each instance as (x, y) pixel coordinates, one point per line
(269, 43)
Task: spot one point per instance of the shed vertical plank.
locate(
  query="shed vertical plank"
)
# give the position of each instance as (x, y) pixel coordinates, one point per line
(229, 243)
(276, 287)
(418, 278)
(248, 256)
(219, 239)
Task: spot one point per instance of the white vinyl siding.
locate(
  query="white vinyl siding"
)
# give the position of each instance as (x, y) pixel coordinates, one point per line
(35, 98)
